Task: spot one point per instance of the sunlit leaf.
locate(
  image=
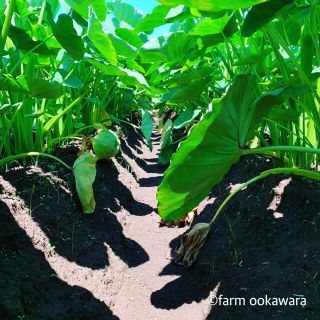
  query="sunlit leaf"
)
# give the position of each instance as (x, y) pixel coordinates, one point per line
(67, 36)
(101, 40)
(212, 5)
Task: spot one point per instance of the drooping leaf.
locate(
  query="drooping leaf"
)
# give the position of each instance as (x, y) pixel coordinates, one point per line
(261, 14)
(67, 36)
(212, 5)
(147, 127)
(206, 155)
(84, 170)
(101, 40)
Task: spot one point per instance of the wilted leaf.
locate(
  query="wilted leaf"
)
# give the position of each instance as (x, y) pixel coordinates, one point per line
(191, 243)
(84, 170)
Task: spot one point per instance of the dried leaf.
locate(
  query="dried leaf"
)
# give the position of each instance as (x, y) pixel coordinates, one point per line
(191, 243)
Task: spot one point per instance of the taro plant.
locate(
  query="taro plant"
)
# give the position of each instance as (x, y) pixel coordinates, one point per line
(217, 142)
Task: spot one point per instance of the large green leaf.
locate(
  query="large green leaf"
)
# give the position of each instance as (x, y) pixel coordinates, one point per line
(130, 36)
(123, 49)
(172, 48)
(35, 87)
(109, 70)
(261, 14)
(206, 155)
(147, 127)
(101, 40)
(67, 36)
(191, 91)
(166, 143)
(125, 12)
(23, 41)
(185, 118)
(211, 26)
(153, 20)
(84, 170)
(82, 7)
(212, 5)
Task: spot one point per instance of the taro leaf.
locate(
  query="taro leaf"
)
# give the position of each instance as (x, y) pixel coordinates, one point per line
(124, 50)
(172, 48)
(261, 14)
(188, 76)
(101, 40)
(32, 86)
(212, 146)
(212, 5)
(191, 243)
(152, 20)
(192, 91)
(166, 143)
(185, 118)
(253, 58)
(82, 7)
(211, 26)
(22, 40)
(266, 101)
(67, 36)
(125, 12)
(129, 36)
(284, 115)
(84, 170)
(63, 77)
(130, 76)
(105, 144)
(147, 127)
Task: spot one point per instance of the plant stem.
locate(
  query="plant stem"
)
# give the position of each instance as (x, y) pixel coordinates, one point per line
(294, 171)
(32, 154)
(267, 150)
(6, 27)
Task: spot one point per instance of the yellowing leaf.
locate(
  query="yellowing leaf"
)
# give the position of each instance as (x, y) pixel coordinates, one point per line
(84, 170)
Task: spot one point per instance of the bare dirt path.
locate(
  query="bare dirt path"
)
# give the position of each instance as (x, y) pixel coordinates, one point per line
(134, 298)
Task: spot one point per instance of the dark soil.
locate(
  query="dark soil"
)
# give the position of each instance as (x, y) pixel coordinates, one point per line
(57, 263)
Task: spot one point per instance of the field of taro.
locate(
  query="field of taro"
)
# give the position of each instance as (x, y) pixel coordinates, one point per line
(159, 160)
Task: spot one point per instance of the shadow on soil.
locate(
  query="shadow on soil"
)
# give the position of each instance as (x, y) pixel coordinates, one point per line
(75, 236)
(29, 288)
(253, 252)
